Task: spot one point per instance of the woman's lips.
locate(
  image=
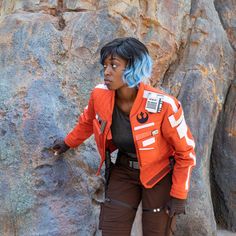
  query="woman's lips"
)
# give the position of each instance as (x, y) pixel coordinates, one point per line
(107, 82)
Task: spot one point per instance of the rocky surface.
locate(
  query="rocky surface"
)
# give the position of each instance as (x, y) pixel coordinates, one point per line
(224, 164)
(225, 233)
(223, 157)
(49, 53)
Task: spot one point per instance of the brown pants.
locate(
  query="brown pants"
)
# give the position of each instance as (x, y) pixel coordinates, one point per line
(123, 196)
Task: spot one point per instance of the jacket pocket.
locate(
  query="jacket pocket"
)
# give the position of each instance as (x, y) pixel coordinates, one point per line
(148, 150)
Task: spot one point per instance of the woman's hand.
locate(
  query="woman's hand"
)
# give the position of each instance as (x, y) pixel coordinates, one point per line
(59, 147)
(175, 206)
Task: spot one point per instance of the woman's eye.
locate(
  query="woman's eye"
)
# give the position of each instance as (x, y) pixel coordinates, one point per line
(114, 66)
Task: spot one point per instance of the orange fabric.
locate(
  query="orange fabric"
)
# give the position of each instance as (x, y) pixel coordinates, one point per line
(165, 133)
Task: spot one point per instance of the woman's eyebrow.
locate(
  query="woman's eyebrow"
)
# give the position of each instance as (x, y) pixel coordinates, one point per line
(115, 59)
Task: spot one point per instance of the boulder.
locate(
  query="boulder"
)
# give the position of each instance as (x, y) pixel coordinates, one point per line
(224, 164)
(49, 63)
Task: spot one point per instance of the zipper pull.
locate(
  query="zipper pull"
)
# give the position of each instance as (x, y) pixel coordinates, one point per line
(103, 125)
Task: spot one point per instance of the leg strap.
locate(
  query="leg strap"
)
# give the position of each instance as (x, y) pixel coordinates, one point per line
(124, 204)
(154, 210)
(120, 203)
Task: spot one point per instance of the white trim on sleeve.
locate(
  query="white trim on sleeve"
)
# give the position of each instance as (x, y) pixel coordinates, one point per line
(189, 170)
(174, 122)
(182, 132)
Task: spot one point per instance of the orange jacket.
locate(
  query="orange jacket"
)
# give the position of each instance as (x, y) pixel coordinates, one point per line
(157, 134)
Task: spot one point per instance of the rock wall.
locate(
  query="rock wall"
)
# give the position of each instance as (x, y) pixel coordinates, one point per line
(224, 149)
(49, 53)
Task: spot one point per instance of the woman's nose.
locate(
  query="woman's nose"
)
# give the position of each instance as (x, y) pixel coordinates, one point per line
(107, 70)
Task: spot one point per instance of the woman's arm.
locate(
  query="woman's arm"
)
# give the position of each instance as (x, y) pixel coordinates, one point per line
(178, 135)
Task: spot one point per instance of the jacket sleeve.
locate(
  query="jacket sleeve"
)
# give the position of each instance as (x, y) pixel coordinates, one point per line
(178, 135)
(84, 126)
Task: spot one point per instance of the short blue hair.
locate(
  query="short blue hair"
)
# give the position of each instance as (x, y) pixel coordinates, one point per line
(139, 63)
(140, 70)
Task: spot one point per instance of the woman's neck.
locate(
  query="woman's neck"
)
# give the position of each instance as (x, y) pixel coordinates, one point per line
(126, 94)
(125, 97)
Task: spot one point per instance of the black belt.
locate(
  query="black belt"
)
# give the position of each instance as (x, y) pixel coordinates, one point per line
(125, 159)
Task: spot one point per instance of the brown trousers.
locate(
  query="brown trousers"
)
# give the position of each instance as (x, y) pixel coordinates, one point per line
(123, 196)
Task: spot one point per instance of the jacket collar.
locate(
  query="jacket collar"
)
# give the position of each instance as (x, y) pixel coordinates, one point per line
(138, 100)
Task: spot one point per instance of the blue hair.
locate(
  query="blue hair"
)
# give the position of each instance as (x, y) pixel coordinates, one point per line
(135, 53)
(140, 70)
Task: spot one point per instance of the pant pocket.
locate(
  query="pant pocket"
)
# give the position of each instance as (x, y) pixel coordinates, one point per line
(171, 226)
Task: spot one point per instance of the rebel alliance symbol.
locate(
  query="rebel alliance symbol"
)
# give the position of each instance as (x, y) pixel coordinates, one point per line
(142, 117)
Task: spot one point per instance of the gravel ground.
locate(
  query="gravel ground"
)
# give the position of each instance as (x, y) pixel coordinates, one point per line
(225, 233)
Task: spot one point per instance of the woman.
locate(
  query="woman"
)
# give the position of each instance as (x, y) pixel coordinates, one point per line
(155, 147)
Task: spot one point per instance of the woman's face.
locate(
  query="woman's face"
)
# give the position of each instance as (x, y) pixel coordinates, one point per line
(114, 67)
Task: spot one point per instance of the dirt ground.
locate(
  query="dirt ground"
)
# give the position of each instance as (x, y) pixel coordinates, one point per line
(222, 232)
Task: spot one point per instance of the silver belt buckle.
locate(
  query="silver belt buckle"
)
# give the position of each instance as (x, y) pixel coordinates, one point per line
(134, 165)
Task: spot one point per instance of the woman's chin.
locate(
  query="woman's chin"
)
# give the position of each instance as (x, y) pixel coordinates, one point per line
(108, 86)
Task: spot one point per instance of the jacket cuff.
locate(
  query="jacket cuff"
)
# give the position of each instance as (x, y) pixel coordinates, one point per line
(176, 193)
(69, 142)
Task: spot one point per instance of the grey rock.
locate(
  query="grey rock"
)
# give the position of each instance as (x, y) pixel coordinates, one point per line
(224, 164)
(226, 10)
(224, 152)
(41, 195)
(201, 81)
(49, 52)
